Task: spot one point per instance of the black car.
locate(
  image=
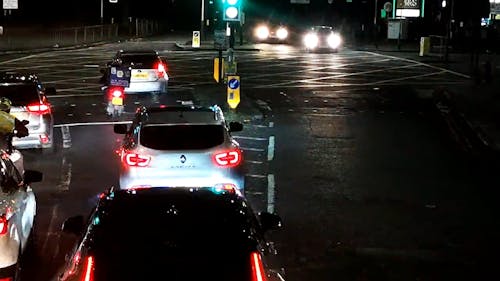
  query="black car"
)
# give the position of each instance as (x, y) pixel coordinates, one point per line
(181, 233)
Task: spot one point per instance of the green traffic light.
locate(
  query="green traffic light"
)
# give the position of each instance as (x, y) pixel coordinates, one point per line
(231, 10)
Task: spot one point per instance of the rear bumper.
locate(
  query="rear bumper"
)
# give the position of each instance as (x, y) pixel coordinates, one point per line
(34, 140)
(9, 251)
(160, 85)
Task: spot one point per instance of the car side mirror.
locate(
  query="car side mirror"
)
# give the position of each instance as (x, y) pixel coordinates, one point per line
(50, 91)
(235, 126)
(32, 176)
(269, 221)
(120, 129)
(73, 225)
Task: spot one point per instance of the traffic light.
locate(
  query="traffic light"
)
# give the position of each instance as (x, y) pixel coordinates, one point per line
(231, 10)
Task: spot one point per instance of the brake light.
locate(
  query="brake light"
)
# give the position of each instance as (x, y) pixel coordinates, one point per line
(6, 279)
(41, 108)
(228, 159)
(134, 159)
(162, 69)
(258, 273)
(88, 273)
(4, 223)
(116, 92)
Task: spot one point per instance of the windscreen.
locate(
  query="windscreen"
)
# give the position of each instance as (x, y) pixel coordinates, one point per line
(140, 61)
(185, 237)
(181, 137)
(20, 94)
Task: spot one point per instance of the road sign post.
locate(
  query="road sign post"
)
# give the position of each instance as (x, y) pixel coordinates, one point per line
(233, 91)
(196, 39)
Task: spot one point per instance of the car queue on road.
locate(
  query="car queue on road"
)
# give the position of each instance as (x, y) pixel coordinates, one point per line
(181, 198)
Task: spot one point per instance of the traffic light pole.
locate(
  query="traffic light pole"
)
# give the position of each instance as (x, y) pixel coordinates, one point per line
(202, 19)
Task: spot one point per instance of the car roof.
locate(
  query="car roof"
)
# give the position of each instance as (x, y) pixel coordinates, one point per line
(138, 52)
(182, 115)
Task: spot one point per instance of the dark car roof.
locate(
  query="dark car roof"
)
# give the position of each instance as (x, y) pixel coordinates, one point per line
(183, 232)
(20, 88)
(181, 114)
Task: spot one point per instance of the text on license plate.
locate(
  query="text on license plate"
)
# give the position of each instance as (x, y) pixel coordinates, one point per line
(116, 101)
(141, 75)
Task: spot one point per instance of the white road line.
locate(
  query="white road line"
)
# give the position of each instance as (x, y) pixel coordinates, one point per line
(249, 138)
(252, 149)
(91, 65)
(425, 64)
(256, 176)
(408, 77)
(270, 149)
(17, 59)
(270, 193)
(55, 210)
(66, 136)
(254, 162)
(92, 124)
(66, 173)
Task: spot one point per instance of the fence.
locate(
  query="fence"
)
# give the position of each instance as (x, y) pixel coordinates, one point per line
(16, 38)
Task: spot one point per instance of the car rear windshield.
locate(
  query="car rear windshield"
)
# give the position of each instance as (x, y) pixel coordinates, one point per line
(20, 94)
(184, 237)
(181, 137)
(140, 61)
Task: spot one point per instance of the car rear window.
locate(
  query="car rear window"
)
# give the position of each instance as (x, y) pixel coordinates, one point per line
(140, 61)
(181, 137)
(193, 236)
(20, 94)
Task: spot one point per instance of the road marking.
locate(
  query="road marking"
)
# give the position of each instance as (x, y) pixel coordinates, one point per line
(92, 124)
(17, 59)
(91, 65)
(271, 124)
(66, 136)
(55, 210)
(256, 176)
(254, 162)
(249, 138)
(270, 149)
(270, 193)
(66, 173)
(253, 149)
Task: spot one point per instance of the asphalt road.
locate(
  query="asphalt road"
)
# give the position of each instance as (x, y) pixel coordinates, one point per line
(347, 147)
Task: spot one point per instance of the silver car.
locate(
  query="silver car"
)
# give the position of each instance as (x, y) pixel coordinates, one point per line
(148, 70)
(17, 216)
(30, 102)
(180, 146)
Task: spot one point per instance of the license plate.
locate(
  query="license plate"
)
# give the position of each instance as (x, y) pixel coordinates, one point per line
(116, 101)
(141, 75)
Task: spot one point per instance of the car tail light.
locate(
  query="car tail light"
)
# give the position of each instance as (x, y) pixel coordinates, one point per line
(258, 273)
(161, 68)
(116, 92)
(88, 270)
(44, 138)
(4, 224)
(134, 159)
(227, 159)
(39, 108)
(6, 279)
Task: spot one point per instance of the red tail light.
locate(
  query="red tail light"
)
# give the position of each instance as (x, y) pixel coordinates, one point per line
(116, 92)
(4, 223)
(6, 279)
(134, 159)
(228, 159)
(258, 273)
(39, 108)
(88, 270)
(162, 69)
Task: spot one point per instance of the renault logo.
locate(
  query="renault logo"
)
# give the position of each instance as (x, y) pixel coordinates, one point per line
(183, 159)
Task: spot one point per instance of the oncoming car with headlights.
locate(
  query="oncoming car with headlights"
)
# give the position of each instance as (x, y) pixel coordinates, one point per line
(322, 38)
(269, 33)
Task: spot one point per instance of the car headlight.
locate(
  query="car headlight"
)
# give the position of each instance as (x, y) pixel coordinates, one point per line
(311, 40)
(334, 40)
(262, 32)
(282, 33)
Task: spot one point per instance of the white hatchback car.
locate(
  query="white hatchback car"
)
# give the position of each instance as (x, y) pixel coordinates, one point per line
(148, 71)
(17, 215)
(180, 146)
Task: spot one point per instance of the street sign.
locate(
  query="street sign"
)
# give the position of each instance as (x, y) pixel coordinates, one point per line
(196, 39)
(388, 7)
(10, 4)
(233, 91)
